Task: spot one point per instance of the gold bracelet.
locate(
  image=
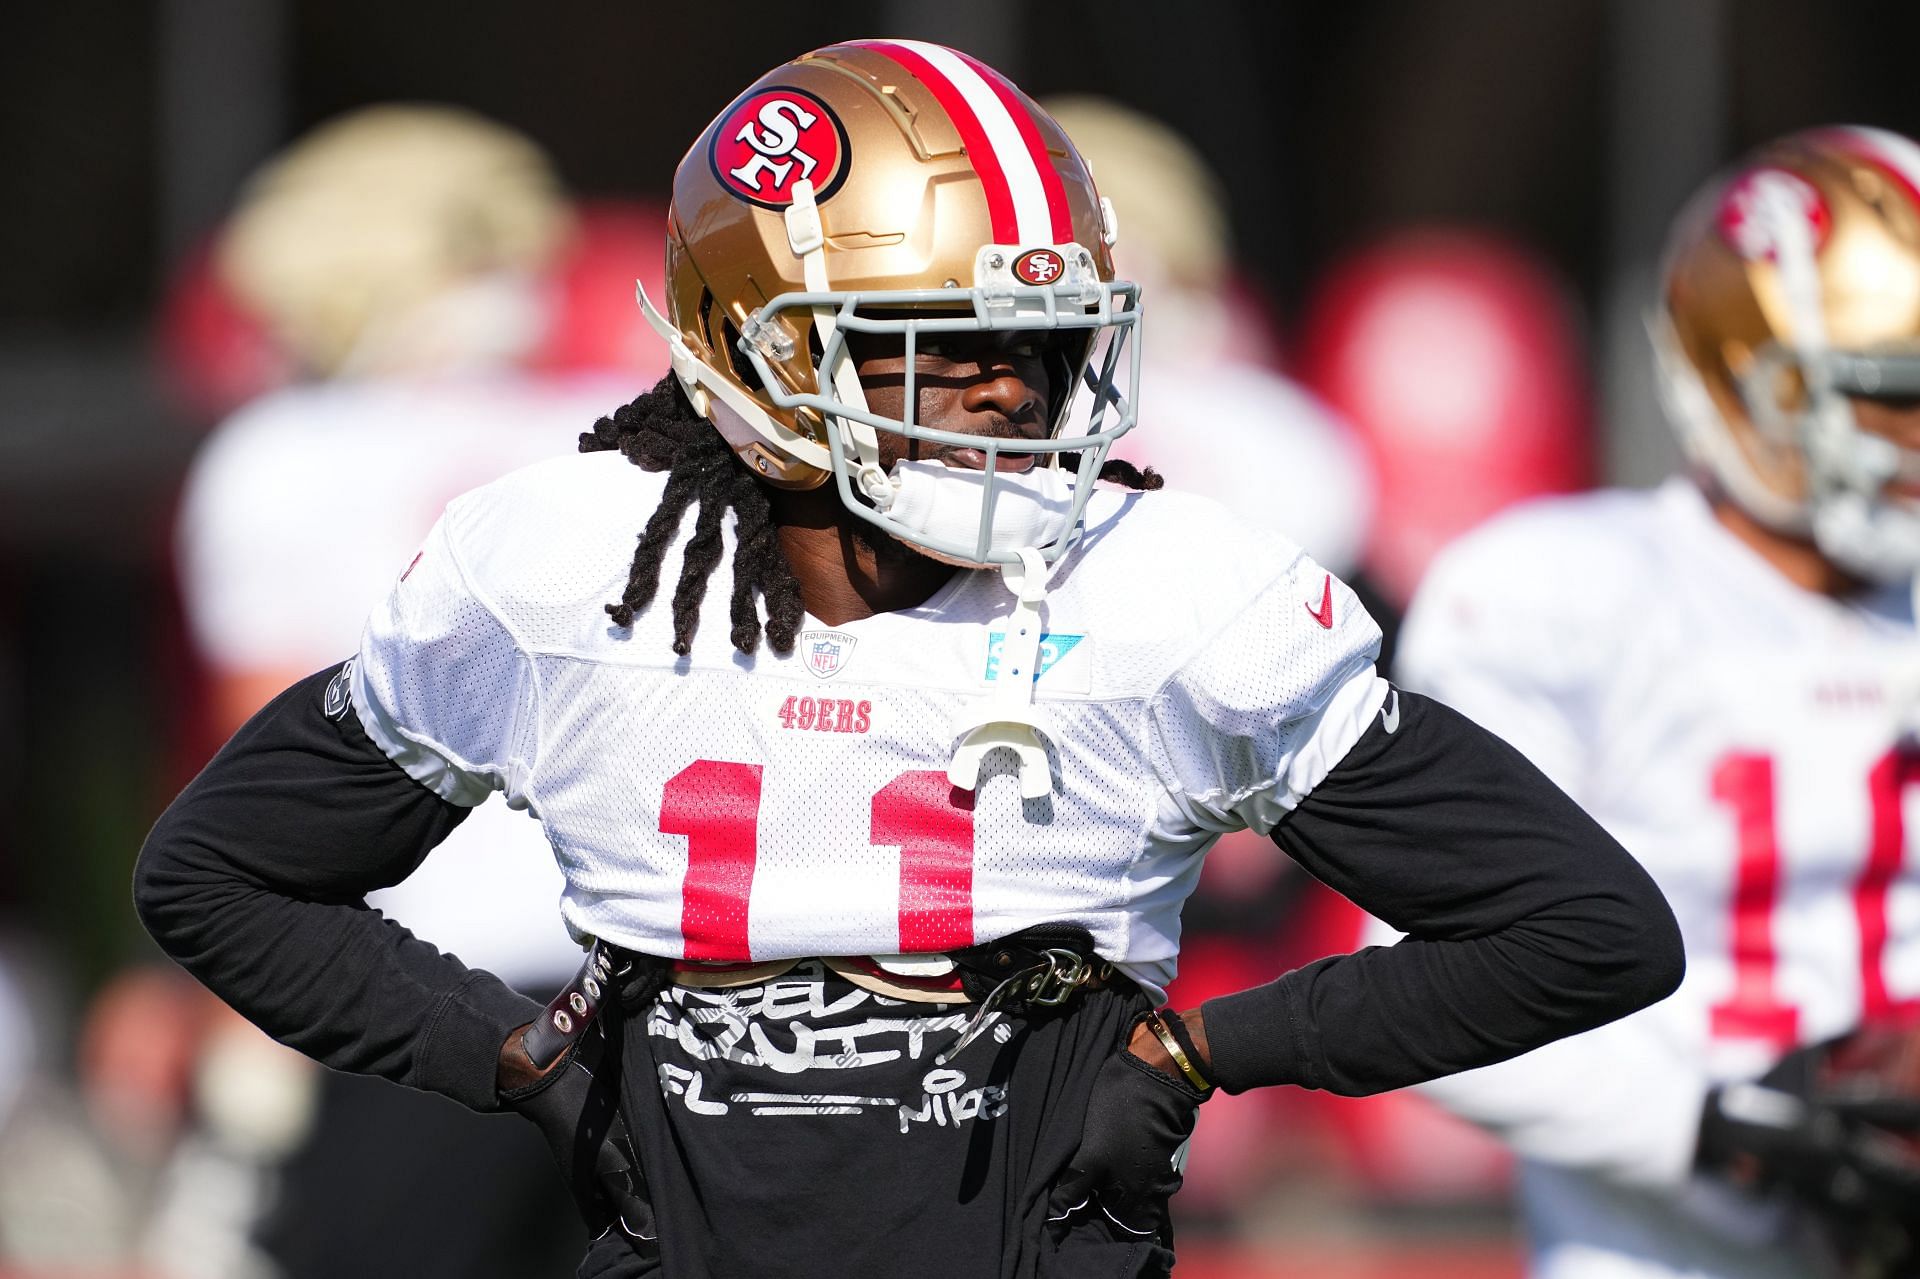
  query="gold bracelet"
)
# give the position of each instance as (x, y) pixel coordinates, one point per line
(1175, 1051)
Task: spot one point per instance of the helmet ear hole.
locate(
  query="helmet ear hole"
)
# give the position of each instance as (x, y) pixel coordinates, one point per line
(736, 358)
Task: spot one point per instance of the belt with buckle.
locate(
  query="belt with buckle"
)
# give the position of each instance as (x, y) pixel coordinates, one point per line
(1042, 967)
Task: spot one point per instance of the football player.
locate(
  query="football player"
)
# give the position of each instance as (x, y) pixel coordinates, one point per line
(1724, 671)
(881, 842)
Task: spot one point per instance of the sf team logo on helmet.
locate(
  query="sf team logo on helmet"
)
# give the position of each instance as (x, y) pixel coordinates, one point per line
(1755, 201)
(775, 138)
(1039, 266)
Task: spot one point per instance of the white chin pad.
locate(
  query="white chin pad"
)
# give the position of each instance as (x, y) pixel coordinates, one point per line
(942, 504)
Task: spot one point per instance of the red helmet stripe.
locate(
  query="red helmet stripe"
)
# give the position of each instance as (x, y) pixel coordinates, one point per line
(1898, 156)
(1003, 209)
(1057, 211)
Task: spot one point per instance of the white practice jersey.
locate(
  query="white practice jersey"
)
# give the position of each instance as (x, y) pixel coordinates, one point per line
(299, 513)
(1742, 738)
(1197, 675)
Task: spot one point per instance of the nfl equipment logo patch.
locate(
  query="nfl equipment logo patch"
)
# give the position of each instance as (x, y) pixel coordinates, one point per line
(826, 652)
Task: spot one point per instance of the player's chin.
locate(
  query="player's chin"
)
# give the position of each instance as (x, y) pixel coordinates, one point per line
(888, 546)
(927, 552)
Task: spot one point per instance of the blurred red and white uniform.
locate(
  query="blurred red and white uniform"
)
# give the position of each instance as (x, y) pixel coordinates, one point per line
(299, 515)
(1743, 738)
(421, 266)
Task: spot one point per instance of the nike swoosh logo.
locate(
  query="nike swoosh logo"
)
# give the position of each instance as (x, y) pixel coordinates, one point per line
(1323, 614)
(1390, 713)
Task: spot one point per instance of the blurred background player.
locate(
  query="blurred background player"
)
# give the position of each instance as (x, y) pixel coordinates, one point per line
(1725, 671)
(1220, 419)
(410, 264)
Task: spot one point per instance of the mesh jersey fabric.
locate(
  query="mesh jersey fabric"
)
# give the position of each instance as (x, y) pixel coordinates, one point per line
(1742, 738)
(1198, 675)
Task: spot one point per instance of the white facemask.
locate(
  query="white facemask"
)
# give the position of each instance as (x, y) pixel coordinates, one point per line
(939, 508)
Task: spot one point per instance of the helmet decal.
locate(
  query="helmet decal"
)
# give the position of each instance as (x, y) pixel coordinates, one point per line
(1897, 155)
(1039, 266)
(1026, 199)
(771, 140)
(1744, 223)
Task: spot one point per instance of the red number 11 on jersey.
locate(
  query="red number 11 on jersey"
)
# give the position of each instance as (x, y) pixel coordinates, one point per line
(1755, 1009)
(716, 805)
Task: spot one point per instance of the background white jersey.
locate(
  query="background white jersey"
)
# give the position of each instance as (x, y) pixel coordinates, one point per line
(1261, 446)
(1198, 675)
(297, 516)
(1741, 737)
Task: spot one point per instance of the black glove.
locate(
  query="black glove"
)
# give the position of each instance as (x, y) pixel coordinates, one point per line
(1836, 1128)
(576, 1105)
(1132, 1147)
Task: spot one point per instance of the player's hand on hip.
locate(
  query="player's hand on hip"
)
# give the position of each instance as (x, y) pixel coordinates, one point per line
(1134, 1142)
(575, 1102)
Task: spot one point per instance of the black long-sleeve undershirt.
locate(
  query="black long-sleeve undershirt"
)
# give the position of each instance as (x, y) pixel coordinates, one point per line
(255, 878)
(1526, 921)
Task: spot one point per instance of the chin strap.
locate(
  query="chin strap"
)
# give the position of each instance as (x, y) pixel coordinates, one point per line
(1011, 719)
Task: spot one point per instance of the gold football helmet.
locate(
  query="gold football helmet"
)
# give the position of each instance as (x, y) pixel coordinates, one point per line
(1792, 283)
(900, 188)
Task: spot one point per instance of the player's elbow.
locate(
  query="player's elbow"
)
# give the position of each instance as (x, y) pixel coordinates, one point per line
(156, 885)
(1662, 956)
(1638, 957)
(169, 886)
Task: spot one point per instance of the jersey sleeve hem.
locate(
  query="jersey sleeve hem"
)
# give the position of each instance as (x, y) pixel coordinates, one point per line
(1338, 724)
(427, 760)
(422, 760)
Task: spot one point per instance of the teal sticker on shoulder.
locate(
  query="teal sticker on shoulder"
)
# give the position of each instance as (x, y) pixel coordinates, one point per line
(1053, 650)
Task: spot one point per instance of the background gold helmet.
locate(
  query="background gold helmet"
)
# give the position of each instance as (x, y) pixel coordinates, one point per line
(891, 187)
(1791, 283)
(399, 238)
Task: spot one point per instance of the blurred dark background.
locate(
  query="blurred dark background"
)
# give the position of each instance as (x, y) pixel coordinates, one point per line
(1570, 130)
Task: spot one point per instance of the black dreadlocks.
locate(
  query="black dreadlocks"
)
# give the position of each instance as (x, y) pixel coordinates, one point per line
(659, 431)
